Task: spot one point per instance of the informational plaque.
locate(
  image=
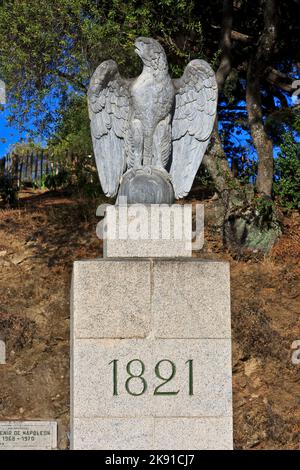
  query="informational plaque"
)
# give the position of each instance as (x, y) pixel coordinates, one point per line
(28, 435)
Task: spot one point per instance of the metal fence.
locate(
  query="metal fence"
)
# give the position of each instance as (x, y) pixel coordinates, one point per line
(29, 168)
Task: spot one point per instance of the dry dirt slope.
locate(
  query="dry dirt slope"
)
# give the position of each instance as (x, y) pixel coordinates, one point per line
(38, 243)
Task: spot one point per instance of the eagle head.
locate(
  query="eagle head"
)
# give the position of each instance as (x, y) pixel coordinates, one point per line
(151, 52)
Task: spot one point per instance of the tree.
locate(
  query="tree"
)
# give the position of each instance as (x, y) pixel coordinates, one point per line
(260, 59)
(287, 172)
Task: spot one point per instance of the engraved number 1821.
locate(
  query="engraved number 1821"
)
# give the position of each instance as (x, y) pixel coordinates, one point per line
(139, 377)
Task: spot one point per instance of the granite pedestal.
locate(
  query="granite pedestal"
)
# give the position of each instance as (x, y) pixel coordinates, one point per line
(151, 354)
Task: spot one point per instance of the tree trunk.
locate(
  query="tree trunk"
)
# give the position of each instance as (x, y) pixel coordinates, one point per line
(242, 227)
(258, 64)
(215, 160)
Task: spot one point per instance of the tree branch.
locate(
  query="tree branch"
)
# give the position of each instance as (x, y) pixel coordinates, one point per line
(225, 44)
(279, 79)
(238, 36)
(72, 79)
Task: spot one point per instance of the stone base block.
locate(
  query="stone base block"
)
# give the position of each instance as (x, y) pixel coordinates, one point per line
(153, 434)
(151, 354)
(147, 231)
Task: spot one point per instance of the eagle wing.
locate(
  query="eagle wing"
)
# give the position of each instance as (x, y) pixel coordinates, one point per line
(193, 120)
(109, 106)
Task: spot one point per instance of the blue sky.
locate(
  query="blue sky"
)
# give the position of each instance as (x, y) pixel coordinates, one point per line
(10, 134)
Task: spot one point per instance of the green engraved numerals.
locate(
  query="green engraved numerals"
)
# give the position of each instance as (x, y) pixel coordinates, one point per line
(191, 376)
(136, 383)
(165, 380)
(137, 377)
(115, 375)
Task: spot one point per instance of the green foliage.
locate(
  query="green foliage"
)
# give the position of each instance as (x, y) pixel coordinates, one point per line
(71, 144)
(8, 190)
(26, 147)
(59, 181)
(90, 189)
(265, 211)
(73, 135)
(204, 179)
(279, 121)
(287, 173)
(50, 49)
(53, 181)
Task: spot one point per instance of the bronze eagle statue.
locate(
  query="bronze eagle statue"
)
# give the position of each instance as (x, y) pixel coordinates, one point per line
(150, 133)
